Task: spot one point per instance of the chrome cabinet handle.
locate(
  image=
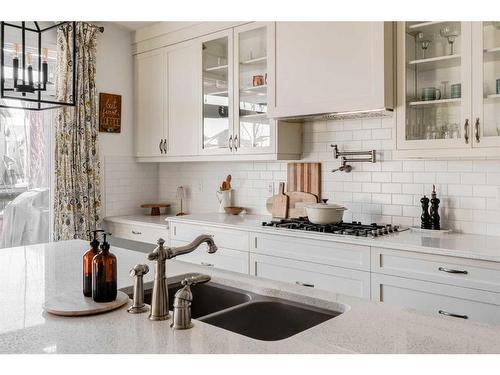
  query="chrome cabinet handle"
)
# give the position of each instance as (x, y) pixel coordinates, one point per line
(304, 284)
(466, 130)
(230, 143)
(165, 146)
(477, 129)
(446, 313)
(206, 264)
(160, 146)
(136, 232)
(236, 142)
(450, 270)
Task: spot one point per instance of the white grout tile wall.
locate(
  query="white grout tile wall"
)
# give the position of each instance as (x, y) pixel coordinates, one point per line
(128, 184)
(387, 191)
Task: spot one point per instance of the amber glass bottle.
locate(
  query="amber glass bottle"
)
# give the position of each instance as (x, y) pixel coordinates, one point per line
(104, 275)
(87, 264)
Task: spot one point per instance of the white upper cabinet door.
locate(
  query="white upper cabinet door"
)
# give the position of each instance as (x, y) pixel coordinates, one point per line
(434, 86)
(150, 69)
(184, 98)
(486, 84)
(324, 67)
(216, 75)
(254, 132)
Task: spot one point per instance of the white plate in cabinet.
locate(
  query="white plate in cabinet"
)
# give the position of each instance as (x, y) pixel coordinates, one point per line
(226, 238)
(334, 279)
(224, 259)
(468, 273)
(445, 300)
(315, 251)
(140, 233)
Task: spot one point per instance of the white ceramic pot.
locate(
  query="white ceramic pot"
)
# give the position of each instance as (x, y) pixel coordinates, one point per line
(322, 213)
(224, 198)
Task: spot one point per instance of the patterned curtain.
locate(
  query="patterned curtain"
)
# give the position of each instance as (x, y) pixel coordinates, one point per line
(77, 195)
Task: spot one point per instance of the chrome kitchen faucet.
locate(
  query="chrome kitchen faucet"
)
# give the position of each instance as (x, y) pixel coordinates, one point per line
(159, 303)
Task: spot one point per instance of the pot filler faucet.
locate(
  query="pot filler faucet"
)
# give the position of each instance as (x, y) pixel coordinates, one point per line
(159, 303)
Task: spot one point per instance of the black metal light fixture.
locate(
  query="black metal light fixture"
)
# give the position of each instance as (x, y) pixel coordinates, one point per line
(20, 89)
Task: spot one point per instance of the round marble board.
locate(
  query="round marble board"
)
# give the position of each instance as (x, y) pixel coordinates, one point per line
(76, 304)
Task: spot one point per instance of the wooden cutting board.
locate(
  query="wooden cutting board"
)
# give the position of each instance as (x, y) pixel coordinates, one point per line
(280, 203)
(296, 203)
(304, 177)
(76, 304)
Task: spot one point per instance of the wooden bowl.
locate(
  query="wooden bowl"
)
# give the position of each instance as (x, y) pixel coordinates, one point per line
(233, 210)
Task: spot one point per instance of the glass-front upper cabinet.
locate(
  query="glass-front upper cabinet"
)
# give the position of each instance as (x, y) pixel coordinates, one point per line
(217, 63)
(253, 131)
(486, 83)
(436, 89)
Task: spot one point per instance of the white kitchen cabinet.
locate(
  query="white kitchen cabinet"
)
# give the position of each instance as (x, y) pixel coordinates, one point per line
(459, 64)
(327, 67)
(137, 232)
(445, 300)
(311, 250)
(312, 275)
(184, 100)
(151, 127)
(223, 258)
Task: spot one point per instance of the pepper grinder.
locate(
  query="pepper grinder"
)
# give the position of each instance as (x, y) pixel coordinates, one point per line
(434, 214)
(425, 217)
(138, 305)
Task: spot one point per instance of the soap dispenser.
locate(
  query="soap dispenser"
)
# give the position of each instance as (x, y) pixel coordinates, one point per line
(87, 263)
(104, 274)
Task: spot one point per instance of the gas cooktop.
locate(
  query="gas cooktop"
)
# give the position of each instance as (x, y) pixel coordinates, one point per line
(349, 229)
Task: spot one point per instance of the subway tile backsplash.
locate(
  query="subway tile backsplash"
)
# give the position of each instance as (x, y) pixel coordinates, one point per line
(388, 191)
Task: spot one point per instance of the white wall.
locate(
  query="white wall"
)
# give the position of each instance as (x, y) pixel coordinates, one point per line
(388, 191)
(125, 183)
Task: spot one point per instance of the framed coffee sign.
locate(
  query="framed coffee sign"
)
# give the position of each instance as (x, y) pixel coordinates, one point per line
(110, 113)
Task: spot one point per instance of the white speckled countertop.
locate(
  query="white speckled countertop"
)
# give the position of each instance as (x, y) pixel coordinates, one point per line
(470, 246)
(31, 274)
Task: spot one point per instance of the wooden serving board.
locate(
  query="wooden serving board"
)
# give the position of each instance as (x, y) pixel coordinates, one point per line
(280, 203)
(296, 203)
(76, 304)
(304, 177)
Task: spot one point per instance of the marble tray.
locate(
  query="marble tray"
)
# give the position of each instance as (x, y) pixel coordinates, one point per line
(76, 304)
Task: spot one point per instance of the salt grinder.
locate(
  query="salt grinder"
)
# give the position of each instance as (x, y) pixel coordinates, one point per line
(434, 214)
(425, 217)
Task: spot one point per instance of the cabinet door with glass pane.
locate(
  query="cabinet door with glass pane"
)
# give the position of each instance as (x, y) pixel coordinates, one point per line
(486, 84)
(254, 132)
(434, 85)
(217, 72)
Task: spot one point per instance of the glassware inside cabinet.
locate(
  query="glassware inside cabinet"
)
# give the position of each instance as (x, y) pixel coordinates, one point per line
(216, 104)
(254, 126)
(433, 80)
(491, 79)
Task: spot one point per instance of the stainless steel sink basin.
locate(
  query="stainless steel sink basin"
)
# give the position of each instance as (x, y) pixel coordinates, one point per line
(243, 312)
(270, 320)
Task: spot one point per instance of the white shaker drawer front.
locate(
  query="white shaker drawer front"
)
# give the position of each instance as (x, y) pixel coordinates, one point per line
(226, 238)
(444, 300)
(334, 279)
(322, 252)
(140, 233)
(224, 259)
(463, 272)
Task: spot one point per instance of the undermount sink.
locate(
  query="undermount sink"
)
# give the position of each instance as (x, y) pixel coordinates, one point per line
(246, 313)
(270, 320)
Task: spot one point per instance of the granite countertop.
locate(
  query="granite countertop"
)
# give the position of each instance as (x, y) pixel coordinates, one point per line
(157, 221)
(470, 246)
(31, 274)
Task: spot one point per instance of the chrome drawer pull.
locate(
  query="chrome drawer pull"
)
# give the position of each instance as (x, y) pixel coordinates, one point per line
(442, 312)
(136, 232)
(449, 270)
(206, 264)
(304, 284)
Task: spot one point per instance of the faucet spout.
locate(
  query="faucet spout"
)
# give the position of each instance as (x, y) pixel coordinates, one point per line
(203, 238)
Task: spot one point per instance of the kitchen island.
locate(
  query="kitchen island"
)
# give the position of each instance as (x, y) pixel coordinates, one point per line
(32, 274)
